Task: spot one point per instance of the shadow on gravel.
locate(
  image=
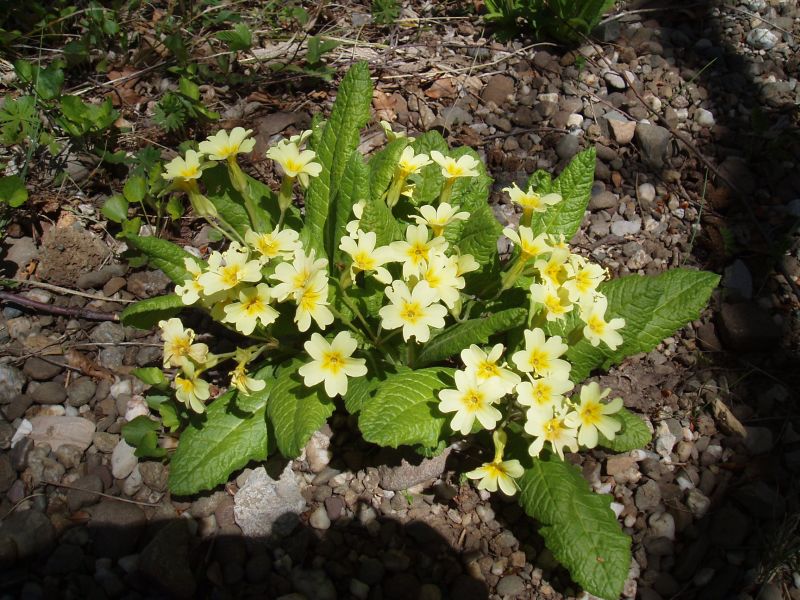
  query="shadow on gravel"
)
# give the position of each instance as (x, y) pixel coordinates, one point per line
(746, 232)
(175, 558)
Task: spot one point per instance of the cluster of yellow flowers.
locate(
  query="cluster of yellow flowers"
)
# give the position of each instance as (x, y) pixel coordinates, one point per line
(242, 285)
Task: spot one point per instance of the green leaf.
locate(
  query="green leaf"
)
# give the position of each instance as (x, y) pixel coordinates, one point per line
(115, 208)
(135, 189)
(455, 338)
(238, 39)
(338, 141)
(579, 527)
(151, 376)
(147, 313)
(141, 433)
(634, 433)
(575, 186)
(46, 82)
(404, 409)
(361, 389)
(228, 202)
(19, 119)
(654, 307)
(382, 166)
(163, 255)
(226, 440)
(378, 217)
(296, 411)
(353, 189)
(12, 191)
(430, 181)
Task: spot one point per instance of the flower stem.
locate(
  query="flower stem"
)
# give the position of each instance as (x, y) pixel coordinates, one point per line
(349, 304)
(447, 190)
(239, 181)
(411, 355)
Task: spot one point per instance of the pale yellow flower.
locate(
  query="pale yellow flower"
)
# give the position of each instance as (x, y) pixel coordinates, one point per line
(441, 274)
(279, 243)
(592, 415)
(352, 226)
(465, 263)
(332, 363)
(191, 390)
(391, 135)
(416, 249)
(179, 346)
(294, 276)
(295, 163)
(365, 256)
(585, 278)
(465, 166)
(414, 311)
(486, 368)
(555, 300)
(540, 355)
(253, 307)
(191, 289)
(528, 245)
(222, 145)
(410, 163)
(437, 218)
(229, 269)
(498, 474)
(312, 303)
(545, 393)
(550, 426)
(471, 400)
(239, 376)
(597, 328)
(184, 170)
(555, 268)
(530, 200)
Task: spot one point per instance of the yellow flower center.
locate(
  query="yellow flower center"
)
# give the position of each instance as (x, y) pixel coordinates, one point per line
(418, 252)
(333, 361)
(473, 400)
(494, 470)
(231, 275)
(553, 304)
(253, 306)
(530, 201)
(487, 369)
(292, 166)
(189, 172)
(268, 245)
(553, 271)
(583, 281)
(433, 278)
(538, 360)
(362, 260)
(542, 393)
(597, 324)
(185, 385)
(552, 429)
(453, 170)
(300, 279)
(310, 299)
(591, 413)
(411, 312)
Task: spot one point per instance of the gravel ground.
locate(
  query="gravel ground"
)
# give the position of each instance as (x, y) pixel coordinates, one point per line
(693, 112)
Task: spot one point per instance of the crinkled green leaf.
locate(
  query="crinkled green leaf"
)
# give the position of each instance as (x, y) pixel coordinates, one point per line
(378, 218)
(225, 440)
(354, 188)
(575, 186)
(296, 411)
(145, 314)
(226, 199)
(634, 433)
(654, 307)
(578, 526)
(338, 141)
(404, 409)
(455, 338)
(163, 255)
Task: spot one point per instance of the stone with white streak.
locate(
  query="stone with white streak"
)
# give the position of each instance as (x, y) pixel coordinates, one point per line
(57, 431)
(264, 506)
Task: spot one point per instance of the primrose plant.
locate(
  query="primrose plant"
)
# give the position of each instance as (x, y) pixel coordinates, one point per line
(386, 296)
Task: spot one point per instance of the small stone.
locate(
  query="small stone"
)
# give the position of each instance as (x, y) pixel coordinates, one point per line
(17, 407)
(614, 80)
(154, 475)
(7, 474)
(747, 327)
(761, 500)
(603, 201)
(623, 228)
(758, 440)
(6, 435)
(317, 454)
(105, 442)
(26, 533)
(406, 475)
(41, 370)
(371, 571)
(698, 503)
(115, 527)
(662, 525)
(65, 559)
(313, 583)
(264, 505)
(567, 146)
(56, 431)
(49, 392)
(653, 142)
(80, 391)
(623, 468)
(132, 483)
(622, 131)
(165, 560)
(146, 284)
(319, 518)
(123, 460)
(648, 496)
(510, 586)
(762, 39)
(359, 589)
(97, 279)
(334, 505)
(646, 193)
(498, 89)
(84, 491)
(108, 333)
(704, 117)
(703, 576)
(737, 281)
(11, 382)
(68, 455)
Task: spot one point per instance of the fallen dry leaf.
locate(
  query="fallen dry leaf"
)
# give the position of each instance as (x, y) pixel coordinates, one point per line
(384, 105)
(442, 88)
(86, 365)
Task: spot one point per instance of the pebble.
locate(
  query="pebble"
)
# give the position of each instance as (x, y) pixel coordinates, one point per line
(154, 475)
(49, 392)
(762, 39)
(11, 382)
(165, 560)
(698, 503)
(648, 496)
(319, 518)
(25, 534)
(567, 146)
(105, 442)
(662, 525)
(603, 200)
(704, 117)
(759, 440)
(614, 80)
(264, 504)
(623, 228)
(56, 431)
(80, 391)
(359, 589)
(511, 586)
(41, 370)
(84, 491)
(123, 460)
(108, 333)
(653, 143)
(622, 131)
(68, 455)
(7, 474)
(646, 192)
